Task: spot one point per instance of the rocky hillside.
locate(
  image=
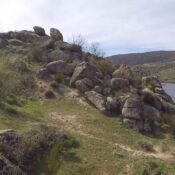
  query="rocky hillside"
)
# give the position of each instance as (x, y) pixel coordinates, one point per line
(143, 58)
(59, 105)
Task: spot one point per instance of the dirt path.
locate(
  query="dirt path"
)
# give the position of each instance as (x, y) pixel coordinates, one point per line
(157, 154)
(73, 124)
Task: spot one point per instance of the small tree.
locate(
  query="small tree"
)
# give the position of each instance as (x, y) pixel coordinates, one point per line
(80, 41)
(96, 50)
(93, 48)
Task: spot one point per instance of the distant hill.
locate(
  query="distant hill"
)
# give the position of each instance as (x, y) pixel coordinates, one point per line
(143, 58)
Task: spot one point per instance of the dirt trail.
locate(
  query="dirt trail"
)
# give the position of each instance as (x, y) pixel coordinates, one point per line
(157, 154)
(72, 123)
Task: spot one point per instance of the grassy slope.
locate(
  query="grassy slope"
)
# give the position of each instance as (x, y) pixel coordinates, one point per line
(102, 140)
(106, 147)
(167, 75)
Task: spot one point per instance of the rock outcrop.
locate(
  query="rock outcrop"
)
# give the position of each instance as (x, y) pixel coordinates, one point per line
(140, 100)
(96, 99)
(39, 30)
(84, 84)
(60, 67)
(83, 70)
(58, 54)
(132, 108)
(56, 35)
(119, 83)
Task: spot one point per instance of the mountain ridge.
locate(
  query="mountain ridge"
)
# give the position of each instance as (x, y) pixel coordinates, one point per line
(143, 58)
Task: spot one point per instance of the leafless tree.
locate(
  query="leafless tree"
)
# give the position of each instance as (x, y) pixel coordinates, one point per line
(96, 49)
(80, 41)
(93, 48)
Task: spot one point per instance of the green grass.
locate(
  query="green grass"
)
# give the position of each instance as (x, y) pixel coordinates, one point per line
(98, 135)
(167, 75)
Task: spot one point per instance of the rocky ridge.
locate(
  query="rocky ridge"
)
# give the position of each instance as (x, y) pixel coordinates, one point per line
(117, 91)
(140, 100)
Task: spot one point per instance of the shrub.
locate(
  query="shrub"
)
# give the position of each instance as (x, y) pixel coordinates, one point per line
(37, 148)
(13, 82)
(49, 94)
(13, 100)
(105, 67)
(54, 85)
(37, 53)
(8, 108)
(58, 77)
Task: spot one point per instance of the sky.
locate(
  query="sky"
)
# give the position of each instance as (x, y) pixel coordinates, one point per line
(120, 26)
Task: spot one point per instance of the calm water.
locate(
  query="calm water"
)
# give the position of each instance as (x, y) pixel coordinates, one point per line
(169, 89)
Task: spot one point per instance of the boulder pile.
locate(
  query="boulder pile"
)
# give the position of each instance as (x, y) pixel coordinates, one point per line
(141, 101)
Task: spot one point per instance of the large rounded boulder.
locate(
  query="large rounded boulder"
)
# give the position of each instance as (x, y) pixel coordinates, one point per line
(96, 99)
(57, 55)
(151, 113)
(123, 72)
(119, 83)
(60, 67)
(151, 98)
(39, 30)
(84, 85)
(56, 35)
(132, 108)
(83, 70)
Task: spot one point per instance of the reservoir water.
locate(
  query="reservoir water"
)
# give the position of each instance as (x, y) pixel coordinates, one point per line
(169, 89)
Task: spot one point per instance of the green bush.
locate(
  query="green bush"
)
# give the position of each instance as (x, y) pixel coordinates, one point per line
(8, 108)
(59, 77)
(49, 94)
(13, 82)
(105, 67)
(36, 53)
(13, 100)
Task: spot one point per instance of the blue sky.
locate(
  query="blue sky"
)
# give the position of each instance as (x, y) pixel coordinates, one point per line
(121, 26)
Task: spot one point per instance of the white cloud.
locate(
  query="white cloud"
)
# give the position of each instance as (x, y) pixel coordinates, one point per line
(119, 25)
